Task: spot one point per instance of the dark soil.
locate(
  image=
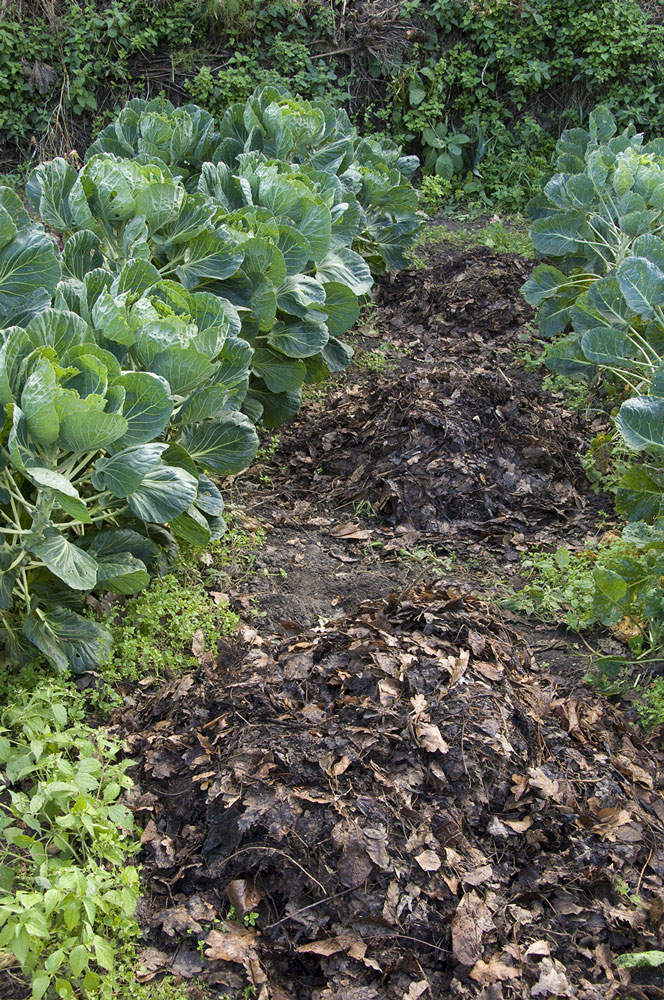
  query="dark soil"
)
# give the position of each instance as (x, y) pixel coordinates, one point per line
(412, 792)
(456, 440)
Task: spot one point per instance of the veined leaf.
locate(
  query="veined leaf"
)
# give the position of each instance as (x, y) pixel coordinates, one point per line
(640, 494)
(184, 369)
(641, 422)
(341, 308)
(225, 446)
(642, 284)
(70, 564)
(164, 493)
(115, 541)
(121, 573)
(68, 640)
(38, 402)
(28, 265)
(559, 234)
(147, 407)
(210, 256)
(209, 499)
(279, 373)
(85, 427)
(192, 526)
(301, 339)
(346, 267)
(123, 473)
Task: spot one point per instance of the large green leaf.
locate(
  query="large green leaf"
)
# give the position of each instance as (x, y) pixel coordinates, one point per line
(59, 329)
(116, 541)
(160, 202)
(641, 422)
(609, 596)
(209, 499)
(86, 427)
(123, 473)
(147, 409)
(82, 253)
(642, 284)
(640, 494)
(164, 493)
(609, 347)
(183, 369)
(14, 349)
(315, 225)
(70, 564)
(28, 265)
(295, 248)
(300, 339)
(559, 234)
(210, 256)
(192, 526)
(271, 408)
(48, 188)
(346, 267)
(21, 448)
(68, 640)
(8, 556)
(121, 573)
(279, 373)
(225, 446)
(38, 402)
(341, 307)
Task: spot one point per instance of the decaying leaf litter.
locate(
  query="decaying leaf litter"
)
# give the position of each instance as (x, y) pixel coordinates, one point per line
(411, 801)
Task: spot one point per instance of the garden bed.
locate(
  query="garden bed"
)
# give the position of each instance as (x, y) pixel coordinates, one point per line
(383, 770)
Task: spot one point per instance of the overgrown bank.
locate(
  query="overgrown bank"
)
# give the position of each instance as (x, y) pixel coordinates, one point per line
(479, 90)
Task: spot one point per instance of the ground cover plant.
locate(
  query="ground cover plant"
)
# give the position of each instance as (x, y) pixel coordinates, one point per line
(67, 892)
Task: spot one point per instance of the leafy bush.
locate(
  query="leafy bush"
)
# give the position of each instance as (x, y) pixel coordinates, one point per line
(618, 579)
(66, 891)
(598, 217)
(200, 284)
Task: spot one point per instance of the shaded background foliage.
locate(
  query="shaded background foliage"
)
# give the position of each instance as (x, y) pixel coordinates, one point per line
(505, 76)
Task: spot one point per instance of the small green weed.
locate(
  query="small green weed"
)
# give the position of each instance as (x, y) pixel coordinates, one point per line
(429, 560)
(574, 391)
(364, 508)
(606, 461)
(510, 238)
(559, 587)
(156, 628)
(267, 450)
(650, 709)
(67, 894)
(383, 360)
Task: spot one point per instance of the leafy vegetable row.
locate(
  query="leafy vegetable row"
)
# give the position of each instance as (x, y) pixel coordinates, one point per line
(601, 218)
(203, 278)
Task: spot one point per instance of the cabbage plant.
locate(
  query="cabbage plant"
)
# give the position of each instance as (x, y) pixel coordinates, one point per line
(271, 242)
(607, 192)
(303, 133)
(101, 446)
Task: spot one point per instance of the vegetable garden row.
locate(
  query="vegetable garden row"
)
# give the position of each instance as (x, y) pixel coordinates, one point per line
(203, 277)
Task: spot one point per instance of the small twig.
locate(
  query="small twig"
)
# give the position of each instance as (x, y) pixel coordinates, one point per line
(334, 52)
(638, 886)
(274, 850)
(304, 909)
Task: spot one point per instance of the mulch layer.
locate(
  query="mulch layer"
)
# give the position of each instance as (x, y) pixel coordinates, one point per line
(408, 804)
(457, 440)
(403, 800)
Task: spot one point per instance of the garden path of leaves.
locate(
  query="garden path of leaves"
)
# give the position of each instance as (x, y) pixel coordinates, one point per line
(384, 771)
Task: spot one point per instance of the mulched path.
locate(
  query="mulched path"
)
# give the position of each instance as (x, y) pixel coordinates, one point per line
(383, 770)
